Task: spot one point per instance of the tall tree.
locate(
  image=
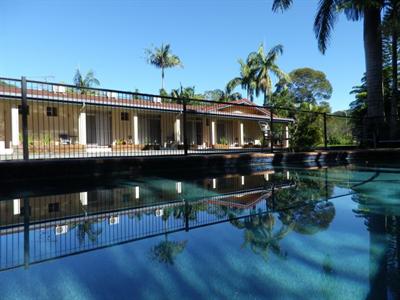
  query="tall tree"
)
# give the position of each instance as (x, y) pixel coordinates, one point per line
(391, 30)
(162, 58)
(85, 82)
(264, 65)
(308, 85)
(370, 10)
(246, 79)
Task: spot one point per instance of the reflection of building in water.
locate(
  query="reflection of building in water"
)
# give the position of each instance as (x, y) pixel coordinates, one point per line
(138, 195)
(86, 220)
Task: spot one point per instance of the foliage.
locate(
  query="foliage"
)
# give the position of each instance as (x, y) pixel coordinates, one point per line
(307, 130)
(222, 96)
(6, 84)
(255, 73)
(341, 129)
(264, 65)
(326, 16)
(223, 141)
(308, 85)
(162, 58)
(46, 139)
(166, 251)
(85, 83)
(246, 79)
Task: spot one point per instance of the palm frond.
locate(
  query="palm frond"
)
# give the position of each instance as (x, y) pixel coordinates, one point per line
(281, 5)
(232, 84)
(324, 22)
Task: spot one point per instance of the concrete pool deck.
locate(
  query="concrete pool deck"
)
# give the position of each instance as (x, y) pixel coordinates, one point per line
(88, 167)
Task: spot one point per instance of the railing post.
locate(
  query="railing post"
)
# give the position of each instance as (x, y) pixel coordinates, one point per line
(186, 215)
(24, 112)
(325, 134)
(185, 144)
(26, 232)
(271, 129)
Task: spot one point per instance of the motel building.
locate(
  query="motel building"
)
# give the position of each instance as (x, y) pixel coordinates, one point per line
(109, 123)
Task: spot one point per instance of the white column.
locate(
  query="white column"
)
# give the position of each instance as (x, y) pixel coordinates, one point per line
(137, 192)
(241, 135)
(82, 128)
(286, 143)
(266, 176)
(2, 129)
(213, 133)
(16, 206)
(14, 126)
(177, 130)
(179, 187)
(83, 197)
(242, 180)
(135, 130)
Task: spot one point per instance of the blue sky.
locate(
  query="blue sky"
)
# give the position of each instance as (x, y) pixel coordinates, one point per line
(53, 37)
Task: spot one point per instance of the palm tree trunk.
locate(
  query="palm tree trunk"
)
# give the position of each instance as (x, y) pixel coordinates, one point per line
(373, 62)
(265, 98)
(393, 100)
(162, 78)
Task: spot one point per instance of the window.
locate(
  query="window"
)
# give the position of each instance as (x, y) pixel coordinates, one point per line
(20, 109)
(51, 111)
(124, 116)
(54, 207)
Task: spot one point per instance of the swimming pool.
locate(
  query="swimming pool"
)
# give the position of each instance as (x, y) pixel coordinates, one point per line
(316, 233)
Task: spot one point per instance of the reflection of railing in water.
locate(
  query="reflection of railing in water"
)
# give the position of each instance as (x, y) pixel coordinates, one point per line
(32, 242)
(37, 243)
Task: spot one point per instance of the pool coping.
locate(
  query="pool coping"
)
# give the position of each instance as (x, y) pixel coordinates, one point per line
(89, 167)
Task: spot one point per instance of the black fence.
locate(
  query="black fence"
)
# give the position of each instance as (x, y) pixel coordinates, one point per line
(41, 120)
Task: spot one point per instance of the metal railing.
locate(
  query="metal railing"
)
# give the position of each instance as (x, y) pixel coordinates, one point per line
(42, 120)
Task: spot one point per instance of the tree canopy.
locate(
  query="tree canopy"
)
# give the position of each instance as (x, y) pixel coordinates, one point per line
(309, 85)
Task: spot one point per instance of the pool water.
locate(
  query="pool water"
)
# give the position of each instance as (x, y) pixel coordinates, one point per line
(292, 233)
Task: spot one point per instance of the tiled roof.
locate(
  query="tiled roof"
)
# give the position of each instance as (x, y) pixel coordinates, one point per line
(128, 100)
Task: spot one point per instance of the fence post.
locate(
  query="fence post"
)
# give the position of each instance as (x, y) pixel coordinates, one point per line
(325, 134)
(271, 129)
(24, 112)
(186, 215)
(185, 145)
(26, 232)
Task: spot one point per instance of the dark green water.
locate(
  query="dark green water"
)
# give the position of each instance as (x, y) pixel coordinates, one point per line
(278, 234)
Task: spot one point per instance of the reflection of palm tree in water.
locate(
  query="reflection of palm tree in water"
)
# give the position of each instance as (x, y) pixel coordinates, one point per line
(87, 228)
(262, 237)
(309, 218)
(259, 233)
(166, 251)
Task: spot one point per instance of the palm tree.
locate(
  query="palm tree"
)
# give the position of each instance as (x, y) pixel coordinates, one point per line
(187, 92)
(391, 29)
(162, 58)
(265, 64)
(326, 16)
(83, 83)
(246, 79)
